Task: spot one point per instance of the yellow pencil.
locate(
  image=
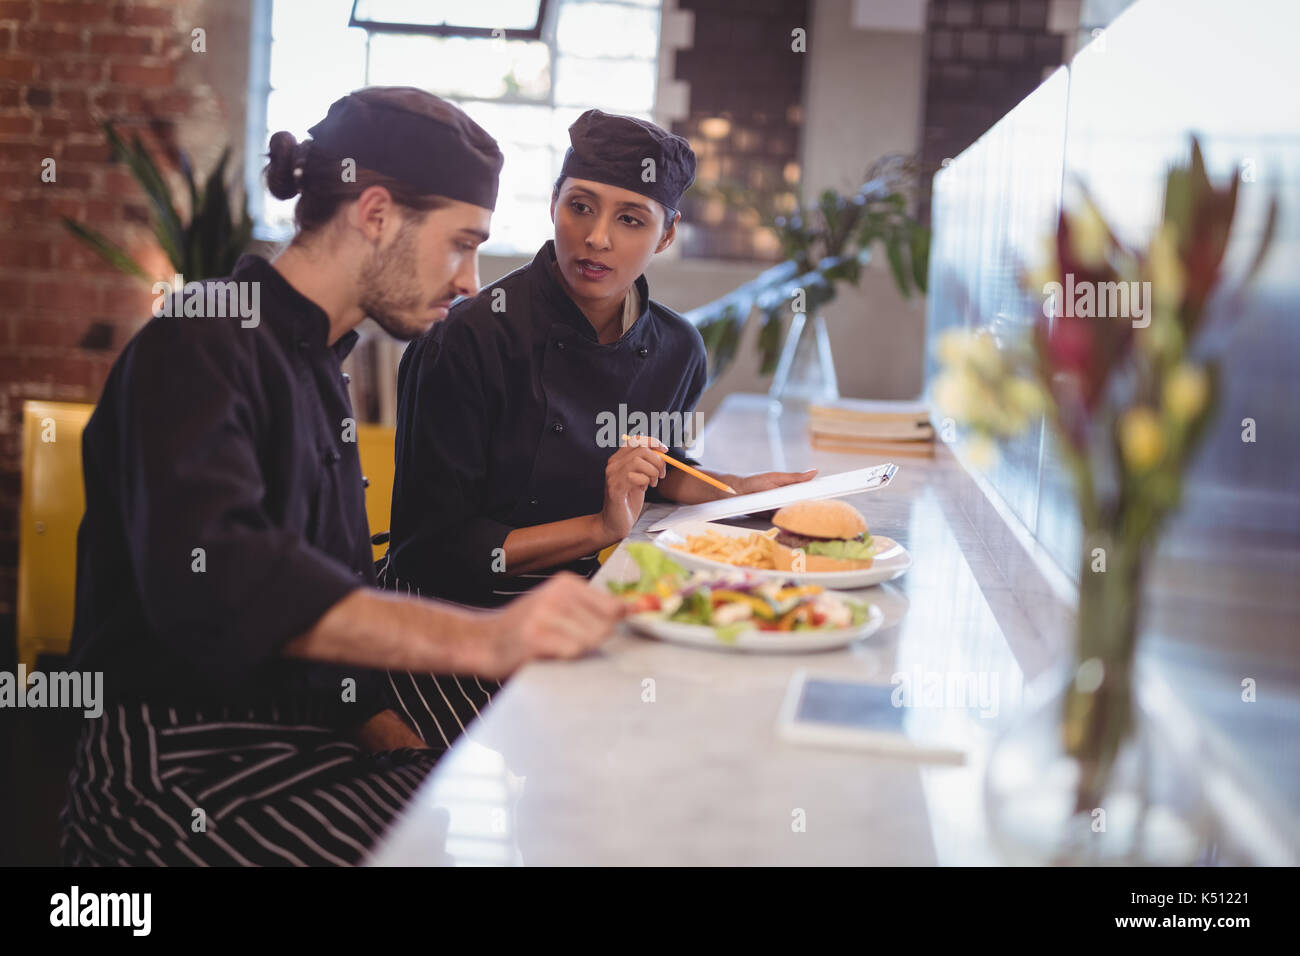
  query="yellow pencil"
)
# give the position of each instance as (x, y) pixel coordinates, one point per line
(694, 473)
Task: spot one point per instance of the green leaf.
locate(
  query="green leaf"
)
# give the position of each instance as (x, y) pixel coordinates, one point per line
(770, 338)
(859, 611)
(654, 564)
(213, 222)
(919, 243)
(1265, 241)
(113, 254)
(1178, 201)
(1200, 178)
(844, 548)
(848, 269)
(187, 172)
(728, 633)
(167, 222)
(721, 338)
(894, 253)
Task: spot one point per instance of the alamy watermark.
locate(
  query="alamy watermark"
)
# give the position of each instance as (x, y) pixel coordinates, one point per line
(58, 689)
(674, 429)
(213, 299)
(75, 908)
(948, 690)
(1099, 300)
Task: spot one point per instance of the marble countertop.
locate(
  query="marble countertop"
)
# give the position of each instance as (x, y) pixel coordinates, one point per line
(649, 753)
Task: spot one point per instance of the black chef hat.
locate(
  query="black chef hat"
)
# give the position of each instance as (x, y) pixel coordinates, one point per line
(613, 150)
(416, 137)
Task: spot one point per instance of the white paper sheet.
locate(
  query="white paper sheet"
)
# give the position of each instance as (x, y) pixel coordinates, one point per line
(831, 486)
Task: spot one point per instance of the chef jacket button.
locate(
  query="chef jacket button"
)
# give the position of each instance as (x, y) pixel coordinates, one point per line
(558, 427)
(347, 379)
(643, 351)
(560, 345)
(331, 457)
(533, 502)
(365, 482)
(303, 345)
(360, 574)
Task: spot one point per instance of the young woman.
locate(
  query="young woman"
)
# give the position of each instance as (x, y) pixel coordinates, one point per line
(504, 472)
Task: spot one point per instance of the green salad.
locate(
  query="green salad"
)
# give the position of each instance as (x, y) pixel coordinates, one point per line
(731, 602)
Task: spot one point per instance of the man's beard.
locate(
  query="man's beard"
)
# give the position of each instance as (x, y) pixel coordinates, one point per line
(389, 288)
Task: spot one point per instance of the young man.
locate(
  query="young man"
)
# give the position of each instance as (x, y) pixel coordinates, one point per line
(504, 472)
(224, 567)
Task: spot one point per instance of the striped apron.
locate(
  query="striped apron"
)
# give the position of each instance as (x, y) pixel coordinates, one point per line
(441, 706)
(272, 785)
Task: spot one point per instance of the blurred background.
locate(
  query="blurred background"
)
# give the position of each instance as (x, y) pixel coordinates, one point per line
(959, 107)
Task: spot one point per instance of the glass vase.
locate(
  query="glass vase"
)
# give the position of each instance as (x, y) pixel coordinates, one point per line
(1085, 777)
(805, 372)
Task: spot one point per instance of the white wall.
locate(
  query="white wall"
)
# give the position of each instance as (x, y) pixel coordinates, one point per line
(863, 98)
(864, 95)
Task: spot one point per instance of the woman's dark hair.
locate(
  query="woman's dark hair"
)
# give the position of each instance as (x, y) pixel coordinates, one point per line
(296, 168)
(669, 214)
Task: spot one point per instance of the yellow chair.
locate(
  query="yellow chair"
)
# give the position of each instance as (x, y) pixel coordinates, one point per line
(375, 446)
(52, 505)
(54, 501)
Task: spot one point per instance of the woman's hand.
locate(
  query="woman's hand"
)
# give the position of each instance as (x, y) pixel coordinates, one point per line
(630, 471)
(767, 480)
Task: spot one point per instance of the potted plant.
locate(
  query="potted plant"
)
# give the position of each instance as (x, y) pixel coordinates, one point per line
(825, 244)
(206, 247)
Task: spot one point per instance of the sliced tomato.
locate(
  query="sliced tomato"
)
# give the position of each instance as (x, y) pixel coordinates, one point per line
(646, 602)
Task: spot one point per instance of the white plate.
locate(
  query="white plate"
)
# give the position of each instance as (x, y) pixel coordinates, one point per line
(762, 642)
(891, 559)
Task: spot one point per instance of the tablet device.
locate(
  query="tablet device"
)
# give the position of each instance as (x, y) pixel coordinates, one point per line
(845, 713)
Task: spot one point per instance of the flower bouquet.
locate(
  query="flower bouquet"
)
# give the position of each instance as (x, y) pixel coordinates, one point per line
(1121, 365)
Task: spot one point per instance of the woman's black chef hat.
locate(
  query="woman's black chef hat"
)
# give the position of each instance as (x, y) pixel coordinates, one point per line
(632, 154)
(414, 136)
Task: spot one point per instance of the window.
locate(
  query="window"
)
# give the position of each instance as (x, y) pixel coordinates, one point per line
(591, 53)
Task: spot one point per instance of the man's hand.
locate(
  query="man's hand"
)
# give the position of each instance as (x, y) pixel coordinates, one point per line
(565, 617)
(387, 731)
(768, 480)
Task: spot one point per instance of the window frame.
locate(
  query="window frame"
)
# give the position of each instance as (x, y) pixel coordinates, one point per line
(451, 30)
(547, 28)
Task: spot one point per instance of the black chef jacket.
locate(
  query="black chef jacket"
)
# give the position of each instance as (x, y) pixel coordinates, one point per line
(497, 423)
(232, 440)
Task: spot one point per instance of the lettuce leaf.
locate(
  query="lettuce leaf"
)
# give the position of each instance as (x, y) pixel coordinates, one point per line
(654, 565)
(727, 633)
(860, 612)
(844, 550)
(697, 608)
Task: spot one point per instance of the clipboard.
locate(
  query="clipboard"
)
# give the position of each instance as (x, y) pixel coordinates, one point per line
(831, 486)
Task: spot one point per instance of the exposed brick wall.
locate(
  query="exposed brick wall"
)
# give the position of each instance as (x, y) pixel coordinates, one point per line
(64, 66)
(741, 68)
(983, 57)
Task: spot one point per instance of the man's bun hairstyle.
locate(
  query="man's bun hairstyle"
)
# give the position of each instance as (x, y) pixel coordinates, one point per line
(422, 149)
(286, 158)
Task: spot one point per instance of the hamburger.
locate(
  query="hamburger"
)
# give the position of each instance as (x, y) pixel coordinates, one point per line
(832, 536)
